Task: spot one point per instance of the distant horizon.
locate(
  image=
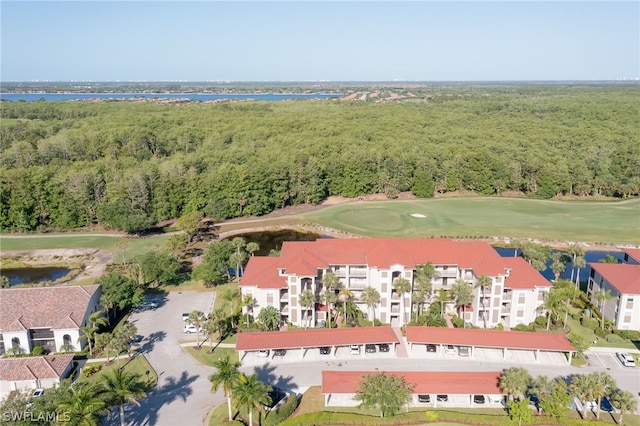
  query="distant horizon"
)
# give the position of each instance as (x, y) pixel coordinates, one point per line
(635, 79)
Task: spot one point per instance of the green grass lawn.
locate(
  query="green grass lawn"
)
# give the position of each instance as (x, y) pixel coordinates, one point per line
(203, 356)
(138, 365)
(595, 222)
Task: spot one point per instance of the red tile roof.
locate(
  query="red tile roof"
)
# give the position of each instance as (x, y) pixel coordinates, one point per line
(489, 338)
(624, 277)
(262, 271)
(523, 275)
(57, 307)
(34, 367)
(314, 338)
(634, 253)
(305, 257)
(426, 382)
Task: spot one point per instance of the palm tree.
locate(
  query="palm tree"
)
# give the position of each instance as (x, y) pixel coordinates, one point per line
(345, 295)
(251, 393)
(402, 286)
(514, 382)
(219, 319)
(601, 297)
(88, 332)
(602, 384)
(237, 259)
(541, 386)
(625, 401)
(557, 265)
(330, 280)
(371, 297)
(127, 332)
(442, 298)
(248, 301)
(579, 262)
(269, 317)
(307, 300)
(197, 318)
(83, 404)
(423, 280)
(462, 294)
(583, 386)
(329, 297)
(209, 327)
(253, 247)
(239, 244)
(552, 303)
(483, 282)
(574, 250)
(230, 296)
(226, 376)
(418, 298)
(122, 387)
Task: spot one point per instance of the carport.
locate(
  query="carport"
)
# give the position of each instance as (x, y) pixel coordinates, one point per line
(300, 344)
(340, 387)
(518, 341)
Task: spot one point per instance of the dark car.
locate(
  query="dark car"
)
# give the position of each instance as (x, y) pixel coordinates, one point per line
(431, 348)
(279, 352)
(383, 347)
(442, 398)
(136, 339)
(369, 348)
(325, 350)
(478, 399)
(424, 398)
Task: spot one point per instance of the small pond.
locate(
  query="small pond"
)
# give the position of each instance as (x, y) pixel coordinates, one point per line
(272, 240)
(34, 275)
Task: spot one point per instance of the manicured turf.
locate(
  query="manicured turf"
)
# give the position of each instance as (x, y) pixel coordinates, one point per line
(594, 222)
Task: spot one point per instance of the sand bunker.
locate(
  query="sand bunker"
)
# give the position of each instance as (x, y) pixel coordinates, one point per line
(421, 216)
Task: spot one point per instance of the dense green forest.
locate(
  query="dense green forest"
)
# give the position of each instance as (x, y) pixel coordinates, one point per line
(127, 165)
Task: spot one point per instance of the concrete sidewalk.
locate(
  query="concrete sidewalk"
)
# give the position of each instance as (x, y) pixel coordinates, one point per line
(612, 350)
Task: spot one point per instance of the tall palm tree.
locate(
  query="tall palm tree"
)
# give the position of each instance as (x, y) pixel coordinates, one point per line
(371, 297)
(83, 404)
(552, 302)
(442, 298)
(219, 319)
(557, 264)
(308, 301)
(602, 385)
(541, 386)
(345, 295)
(514, 382)
(330, 280)
(88, 333)
(97, 320)
(624, 401)
(483, 282)
(402, 286)
(579, 262)
(329, 297)
(423, 280)
(123, 387)
(209, 327)
(462, 294)
(230, 296)
(251, 393)
(197, 318)
(226, 376)
(418, 297)
(574, 250)
(248, 301)
(253, 247)
(237, 259)
(583, 386)
(601, 297)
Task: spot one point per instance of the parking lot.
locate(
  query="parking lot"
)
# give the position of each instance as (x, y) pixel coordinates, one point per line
(491, 355)
(607, 361)
(253, 358)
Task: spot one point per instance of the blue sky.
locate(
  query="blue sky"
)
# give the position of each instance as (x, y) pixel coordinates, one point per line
(319, 41)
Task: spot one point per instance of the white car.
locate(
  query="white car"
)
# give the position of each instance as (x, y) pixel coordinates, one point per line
(354, 349)
(450, 350)
(185, 316)
(626, 359)
(263, 353)
(190, 328)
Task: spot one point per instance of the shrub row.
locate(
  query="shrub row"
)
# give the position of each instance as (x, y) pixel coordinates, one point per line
(280, 414)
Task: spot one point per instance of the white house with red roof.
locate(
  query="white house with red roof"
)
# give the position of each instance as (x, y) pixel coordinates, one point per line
(33, 372)
(49, 317)
(623, 281)
(515, 296)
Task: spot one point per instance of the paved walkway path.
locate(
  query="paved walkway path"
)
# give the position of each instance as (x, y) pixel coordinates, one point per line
(401, 349)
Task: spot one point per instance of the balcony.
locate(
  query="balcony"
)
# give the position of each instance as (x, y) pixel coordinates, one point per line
(357, 272)
(284, 297)
(507, 295)
(284, 310)
(395, 309)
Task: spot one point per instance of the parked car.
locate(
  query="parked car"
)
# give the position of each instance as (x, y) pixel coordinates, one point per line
(626, 359)
(383, 347)
(148, 305)
(190, 328)
(279, 352)
(354, 349)
(496, 399)
(464, 351)
(263, 353)
(37, 393)
(370, 348)
(431, 348)
(442, 398)
(478, 399)
(325, 350)
(424, 399)
(137, 339)
(450, 350)
(185, 316)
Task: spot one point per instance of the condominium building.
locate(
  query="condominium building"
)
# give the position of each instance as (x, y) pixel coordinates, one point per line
(514, 295)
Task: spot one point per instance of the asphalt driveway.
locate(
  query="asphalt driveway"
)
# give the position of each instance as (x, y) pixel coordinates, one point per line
(182, 395)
